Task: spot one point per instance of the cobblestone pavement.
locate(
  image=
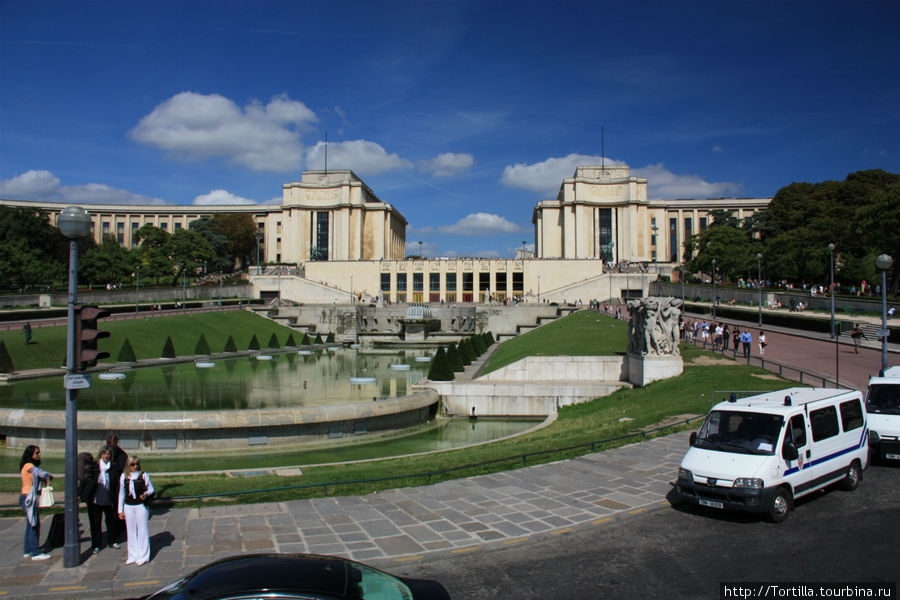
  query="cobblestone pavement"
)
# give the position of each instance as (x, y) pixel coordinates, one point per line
(396, 525)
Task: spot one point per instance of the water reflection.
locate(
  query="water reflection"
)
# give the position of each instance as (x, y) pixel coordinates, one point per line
(322, 377)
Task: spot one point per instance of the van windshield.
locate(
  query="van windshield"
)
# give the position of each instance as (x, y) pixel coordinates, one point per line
(883, 398)
(740, 432)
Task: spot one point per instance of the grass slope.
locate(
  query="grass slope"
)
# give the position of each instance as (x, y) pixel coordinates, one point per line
(147, 336)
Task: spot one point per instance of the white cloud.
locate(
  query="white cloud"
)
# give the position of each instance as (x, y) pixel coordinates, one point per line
(30, 185)
(363, 157)
(44, 185)
(263, 138)
(220, 197)
(447, 164)
(481, 224)
(99, 193)
(488, 254)
(662, 184)
(545, 177)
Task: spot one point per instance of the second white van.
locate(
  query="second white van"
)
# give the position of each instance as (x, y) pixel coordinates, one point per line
(760, 453)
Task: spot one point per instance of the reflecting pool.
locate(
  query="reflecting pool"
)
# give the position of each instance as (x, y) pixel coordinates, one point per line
(287, 379)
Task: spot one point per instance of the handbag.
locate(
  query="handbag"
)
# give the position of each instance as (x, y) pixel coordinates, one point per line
(47, 500)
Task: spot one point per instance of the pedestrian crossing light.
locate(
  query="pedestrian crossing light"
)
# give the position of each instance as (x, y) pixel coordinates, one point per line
(86, 336)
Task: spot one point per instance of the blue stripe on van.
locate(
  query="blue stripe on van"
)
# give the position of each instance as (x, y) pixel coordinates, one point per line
(863, 438)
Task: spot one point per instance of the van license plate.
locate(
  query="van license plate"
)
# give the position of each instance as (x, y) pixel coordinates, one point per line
(892, 456)
(711, 503)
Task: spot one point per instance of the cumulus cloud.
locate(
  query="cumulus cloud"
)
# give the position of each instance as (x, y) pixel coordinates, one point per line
(663, 184)
(362, 156)
(30, 185)
(447, 164)
(44, 185)
(198, 126)
(545, 177)
(481, 224)
(220, 197)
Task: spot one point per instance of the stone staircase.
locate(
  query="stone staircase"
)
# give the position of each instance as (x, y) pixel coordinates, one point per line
(561, 311)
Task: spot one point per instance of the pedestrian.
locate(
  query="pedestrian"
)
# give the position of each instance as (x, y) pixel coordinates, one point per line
(855, 334)
(719, 336)
(118, 459)
(761, 339)
(33, 480)
(135, 490)
(746, 340)
(27, 331)
(100, 506)
(736, 339)
(726, 337)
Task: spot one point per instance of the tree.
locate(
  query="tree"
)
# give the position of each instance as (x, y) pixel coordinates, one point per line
(240, 231)
(230, 346)
(34, 251)
(305, 341)
(454, 359)
(202, 346)
(254, 343)
(273, 341)
(155, 261)
(290, 340)
(168, 349)
(188, 251)
(126, 353)
(107, 263)
(730, 247)
(440, 367)
(208, 228)
(6, 363)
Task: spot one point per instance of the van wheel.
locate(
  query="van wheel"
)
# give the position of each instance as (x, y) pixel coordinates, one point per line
(853, 477)
(779, 506)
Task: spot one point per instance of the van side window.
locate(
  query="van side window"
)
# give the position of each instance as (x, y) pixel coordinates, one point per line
(851, 415)
(797, 431)
(824, 423)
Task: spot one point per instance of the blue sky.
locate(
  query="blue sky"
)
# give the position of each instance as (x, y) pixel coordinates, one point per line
(461, 114)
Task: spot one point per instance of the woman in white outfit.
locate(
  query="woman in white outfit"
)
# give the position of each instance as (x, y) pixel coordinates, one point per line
(134, 488)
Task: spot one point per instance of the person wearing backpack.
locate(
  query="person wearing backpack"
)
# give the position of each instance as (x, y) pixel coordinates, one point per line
(33, 478)
(135, 493)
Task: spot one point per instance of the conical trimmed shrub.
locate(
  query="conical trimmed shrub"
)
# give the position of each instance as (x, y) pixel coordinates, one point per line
(6, 363)
(329, 339)
(254, 343)
(319, 339)
(453, 358)
(305, 341)
(202, 346)
(440, 367)
(230, 346)
(126, 354)
(465, 352)
(273, 341)
(168, 349)
(290, 341)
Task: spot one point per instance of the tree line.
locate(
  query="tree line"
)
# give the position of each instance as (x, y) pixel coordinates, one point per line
(860, 216)
(35, 253)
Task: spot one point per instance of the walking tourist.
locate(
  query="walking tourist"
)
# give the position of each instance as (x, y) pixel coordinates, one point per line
(118, 459)
(100, 506)
(855, 334)
(761, 339)
(33, 480)
(746, 340)
(135, 489)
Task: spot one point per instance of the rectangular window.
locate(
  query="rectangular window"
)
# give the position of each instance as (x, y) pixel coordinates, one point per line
(434, 282)
(401, 282)
(417, 282)
(824, 423)
(451, 282)
(688, 227)
(673, 239)
(484, 281)
(177, 225)
(321, 249)
(386, 282)
(518, 283)
(164, 226)
(797, 431)
(702, 224)
(468, 283)
(605, 234)
(120, 233)
(501, 282)
(851, 415)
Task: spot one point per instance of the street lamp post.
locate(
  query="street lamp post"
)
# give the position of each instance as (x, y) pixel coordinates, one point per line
(831, 256)
(655, 248)
(259, 236)
(74, 223)
(539, 289)
(714, 288)
(759, 288)
(183, 285)
(884, 262)
(137, 290)
(420, 249)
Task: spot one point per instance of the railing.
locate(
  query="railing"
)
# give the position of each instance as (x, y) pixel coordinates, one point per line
(517, 459)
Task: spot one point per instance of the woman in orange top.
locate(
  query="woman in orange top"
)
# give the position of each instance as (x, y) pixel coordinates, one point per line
(33, 479)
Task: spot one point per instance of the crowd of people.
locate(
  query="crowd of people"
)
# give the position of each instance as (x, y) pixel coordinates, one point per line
(113, 486)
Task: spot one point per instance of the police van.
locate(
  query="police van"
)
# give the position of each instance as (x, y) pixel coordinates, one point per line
(883, 407)
(760, 453)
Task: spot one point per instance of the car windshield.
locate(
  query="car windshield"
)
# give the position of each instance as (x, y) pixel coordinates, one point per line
(378, 585)
(740, 432)
(883, 398)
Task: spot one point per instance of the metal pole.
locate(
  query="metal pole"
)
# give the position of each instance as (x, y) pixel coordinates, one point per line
(72, 544)
(759, 287)
(137, 291)
(714, 288)
(884, 327)
(183, 286)
(831, 254)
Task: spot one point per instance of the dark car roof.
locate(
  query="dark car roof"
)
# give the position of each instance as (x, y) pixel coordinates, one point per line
(273, 572)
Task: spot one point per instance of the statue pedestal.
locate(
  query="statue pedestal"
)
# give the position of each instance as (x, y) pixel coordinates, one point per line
(645, 369)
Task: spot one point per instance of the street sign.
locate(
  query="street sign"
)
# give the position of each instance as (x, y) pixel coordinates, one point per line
(77, 381)
(882, 333)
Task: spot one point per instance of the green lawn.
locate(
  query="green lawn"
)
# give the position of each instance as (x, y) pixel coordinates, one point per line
(147, 337)
(600, 419)
(584, 333)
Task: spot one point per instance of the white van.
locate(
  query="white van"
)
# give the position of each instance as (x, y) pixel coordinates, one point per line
(883, 407)
(759, 453)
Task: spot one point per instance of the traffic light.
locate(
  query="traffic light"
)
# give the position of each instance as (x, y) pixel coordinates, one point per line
(86, 336)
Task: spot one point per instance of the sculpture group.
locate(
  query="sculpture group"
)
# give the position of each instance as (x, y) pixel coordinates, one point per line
(653, 329)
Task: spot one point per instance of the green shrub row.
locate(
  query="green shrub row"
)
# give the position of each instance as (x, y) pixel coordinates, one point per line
(455, 357)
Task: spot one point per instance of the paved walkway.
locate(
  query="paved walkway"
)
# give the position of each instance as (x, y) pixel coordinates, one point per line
(457, 516)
